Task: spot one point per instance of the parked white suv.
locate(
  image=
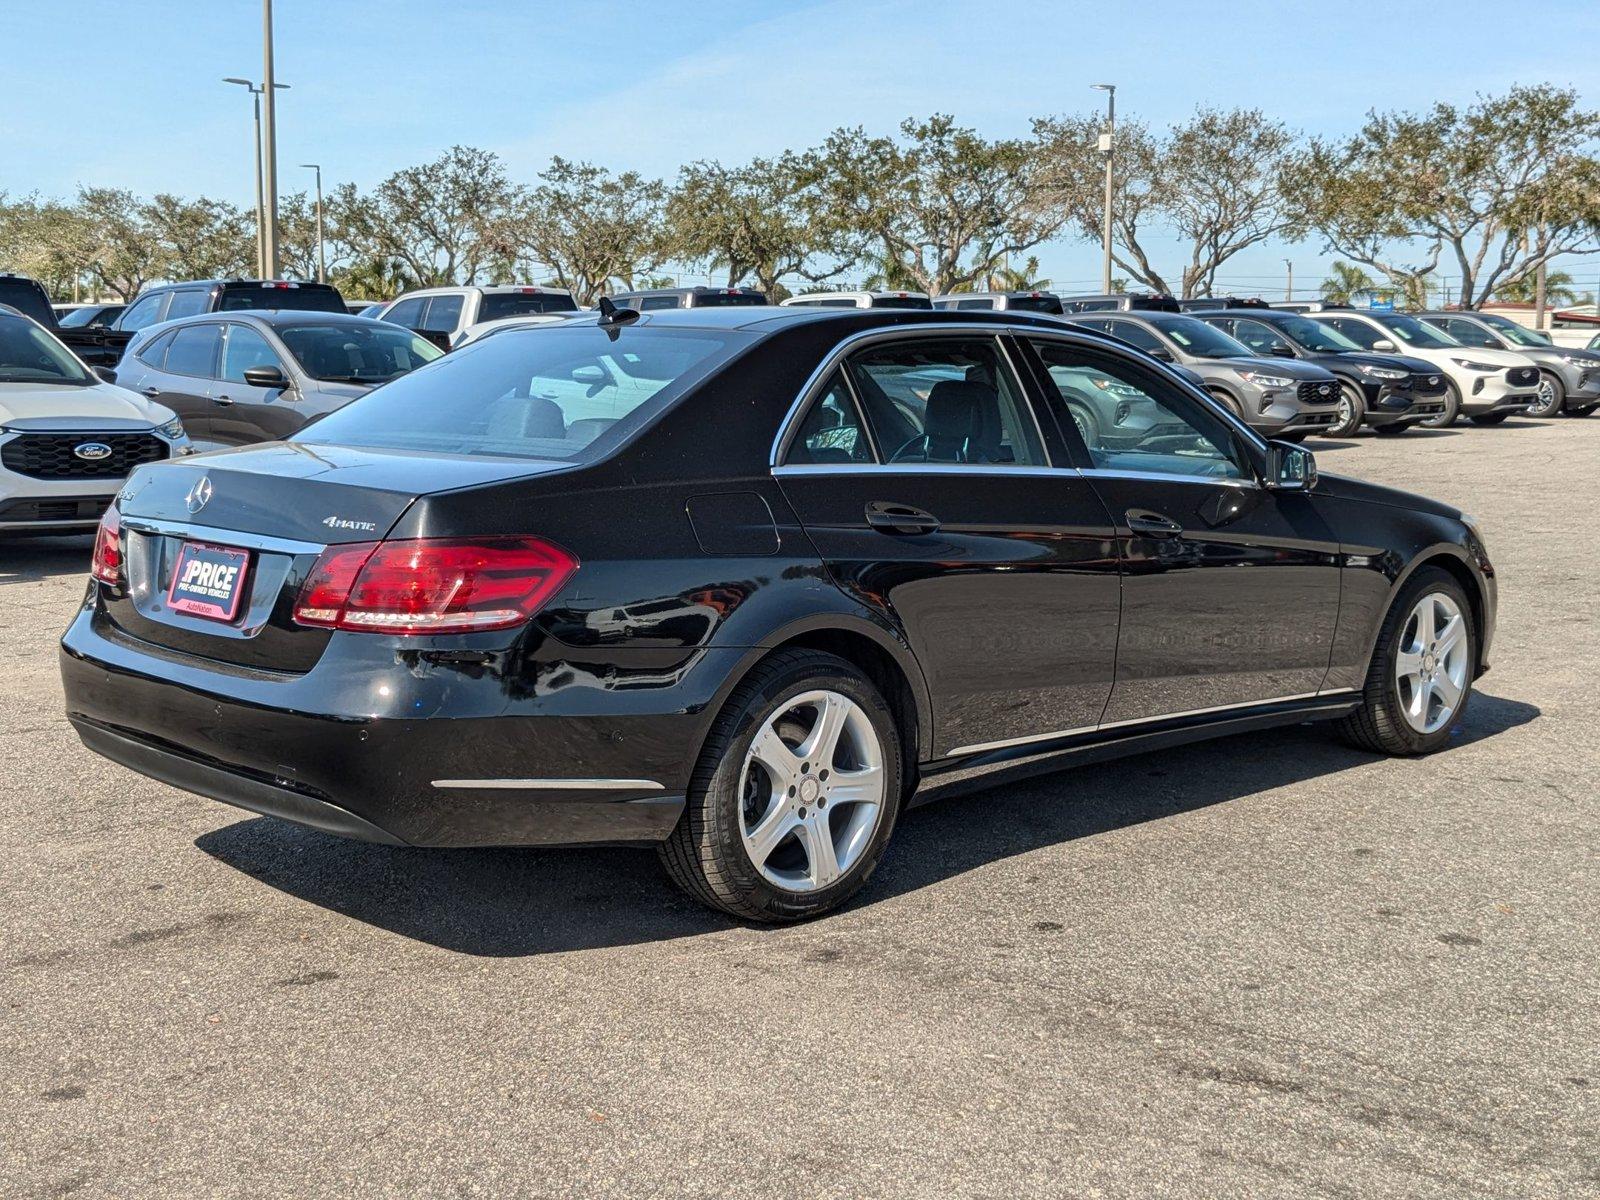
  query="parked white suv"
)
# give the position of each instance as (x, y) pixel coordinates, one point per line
(445, 314)
(859, 300)
(67, 438)
(1485, 385)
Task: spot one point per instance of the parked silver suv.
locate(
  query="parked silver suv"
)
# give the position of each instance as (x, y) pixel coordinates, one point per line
(1569, 380)
(1278, 397)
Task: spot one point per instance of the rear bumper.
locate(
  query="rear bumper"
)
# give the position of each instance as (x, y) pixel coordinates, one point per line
(543, 769)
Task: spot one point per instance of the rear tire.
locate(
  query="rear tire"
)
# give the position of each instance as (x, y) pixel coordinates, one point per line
(1452, 408)
(1420, 678)
(1552, 396)
(1493, 418)
(1352, 411)
(759, 839)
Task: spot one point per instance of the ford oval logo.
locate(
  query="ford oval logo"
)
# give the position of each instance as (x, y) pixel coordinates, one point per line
(92, 451)
(1325, 390)
(1433, 381)
(199, 494)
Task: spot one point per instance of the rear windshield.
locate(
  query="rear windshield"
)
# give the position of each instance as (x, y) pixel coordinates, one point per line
(518, 304)
(552, 391)
(1039, 304)
(300, 298)
(909, 302)
(345, 352)
(723, 300)
(27, 298)
(30, 355)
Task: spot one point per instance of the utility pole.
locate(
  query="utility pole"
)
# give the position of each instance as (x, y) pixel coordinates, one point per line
(1288, 287)
(322, 259)
(269, 151)
(1106, 148)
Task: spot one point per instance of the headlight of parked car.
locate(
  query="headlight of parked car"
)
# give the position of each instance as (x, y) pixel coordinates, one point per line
(1475, 366)
(172, 430)
(1262, 379)
(1580, 360)
(1381, 372)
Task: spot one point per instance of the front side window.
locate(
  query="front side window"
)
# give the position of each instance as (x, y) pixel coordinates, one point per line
(1201, 340)
(832, 431)
(352, 352)
(1418, 333)
(1359, 332)
(30, 355)
(1259, 338)
(945, 400)
(1131, 420)
(1469, 334)
(1316, 336)
(1134, 335)
(545, 393)
(407, 312)
(193, 351)
(244, 348)
(144, 312)
(1517, 335)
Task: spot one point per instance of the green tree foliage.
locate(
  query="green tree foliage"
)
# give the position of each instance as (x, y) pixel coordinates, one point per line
(1559, 289)
(1345, 282)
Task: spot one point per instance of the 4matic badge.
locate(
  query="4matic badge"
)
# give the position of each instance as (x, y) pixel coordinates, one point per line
(342, 523)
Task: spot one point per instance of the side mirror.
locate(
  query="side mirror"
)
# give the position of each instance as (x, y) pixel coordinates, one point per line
(1279, 350)
(105, 374)
(1383, 344)
(266, 377)
(1290, 468)
(1161, 355)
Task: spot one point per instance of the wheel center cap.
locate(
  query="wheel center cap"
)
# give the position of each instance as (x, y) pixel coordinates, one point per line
(1429, 664)
(808, 790)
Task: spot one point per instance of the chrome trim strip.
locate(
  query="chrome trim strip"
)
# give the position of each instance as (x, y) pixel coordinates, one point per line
(924, 469)
(225, 537)
(560, 785)
(1161, 477)
(984, 747)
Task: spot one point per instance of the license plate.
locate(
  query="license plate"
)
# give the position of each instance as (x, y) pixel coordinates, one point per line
(208, 581)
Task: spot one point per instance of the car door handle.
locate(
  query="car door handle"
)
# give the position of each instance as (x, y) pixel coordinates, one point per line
(152, 391)
(891, 517)
(1142, 520)
(223, 400)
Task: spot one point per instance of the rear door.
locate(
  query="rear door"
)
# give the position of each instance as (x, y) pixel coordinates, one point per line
(924, 478)
(1230, 591)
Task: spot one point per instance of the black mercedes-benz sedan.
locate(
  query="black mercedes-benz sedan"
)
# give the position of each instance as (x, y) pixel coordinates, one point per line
(738, 582)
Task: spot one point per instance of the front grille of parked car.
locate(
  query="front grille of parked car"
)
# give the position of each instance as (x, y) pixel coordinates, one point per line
(57, 508)
(1312, 392)
(58, 455)
(1522, 376)
(1426, 383)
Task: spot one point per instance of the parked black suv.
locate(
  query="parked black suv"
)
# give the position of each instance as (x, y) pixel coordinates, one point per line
(1389, 392)
(169, 301)
(97, 346)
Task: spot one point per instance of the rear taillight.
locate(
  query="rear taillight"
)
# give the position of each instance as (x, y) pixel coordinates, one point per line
(432, 585)
(106, 565)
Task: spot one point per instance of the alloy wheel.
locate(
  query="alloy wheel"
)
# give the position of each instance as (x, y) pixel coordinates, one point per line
(1431, 665)
(812, 791)
(1548, 404)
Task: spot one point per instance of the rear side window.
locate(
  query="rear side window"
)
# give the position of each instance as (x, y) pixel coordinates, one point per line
(945, 400)
(443, 315)
(544, 393)
(193, 351)
(154, 352)
(832, 431)
(187, 302)
(516, 304)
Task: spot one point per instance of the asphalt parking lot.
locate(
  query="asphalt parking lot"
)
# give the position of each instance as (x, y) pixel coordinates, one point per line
(1269, 966)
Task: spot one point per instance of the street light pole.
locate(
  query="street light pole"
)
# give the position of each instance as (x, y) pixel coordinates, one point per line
(1288, 287)
(322, 260)
(255, 96)
(269, 151)
(1106, 143)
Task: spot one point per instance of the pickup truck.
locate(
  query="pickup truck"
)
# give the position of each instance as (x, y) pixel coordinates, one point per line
(96, 346)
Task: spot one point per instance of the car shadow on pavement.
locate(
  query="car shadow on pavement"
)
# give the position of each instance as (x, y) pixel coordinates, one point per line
(29, 560)
(510, 903)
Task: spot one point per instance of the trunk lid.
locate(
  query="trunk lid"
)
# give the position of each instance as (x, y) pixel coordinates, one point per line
(283, 502)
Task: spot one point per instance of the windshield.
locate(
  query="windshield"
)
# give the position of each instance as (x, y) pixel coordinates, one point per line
(1195, 337)
(546, 392)
(30, 355)
(517, 304)
(345, 352)
(1417, 333)
(1314, 336)
(1516, 334)
(301, 298)
(91, 315)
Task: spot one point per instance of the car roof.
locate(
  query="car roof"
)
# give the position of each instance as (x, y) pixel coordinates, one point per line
(1154, 316)
(768, 318)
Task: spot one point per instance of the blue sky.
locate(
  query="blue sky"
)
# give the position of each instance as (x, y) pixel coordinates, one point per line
(128, 93)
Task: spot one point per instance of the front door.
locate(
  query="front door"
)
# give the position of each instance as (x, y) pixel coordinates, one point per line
(1230, 591)
(941, 510)
(243, 413)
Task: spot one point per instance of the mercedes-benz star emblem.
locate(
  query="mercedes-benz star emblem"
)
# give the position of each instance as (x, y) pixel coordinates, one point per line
(199, 494)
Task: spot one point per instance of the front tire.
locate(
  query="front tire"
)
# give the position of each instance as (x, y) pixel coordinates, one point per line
(1352, 411)
(1452, 408)
(1420, 678)
(795, 795)
(1552, 396)
(1227, 402)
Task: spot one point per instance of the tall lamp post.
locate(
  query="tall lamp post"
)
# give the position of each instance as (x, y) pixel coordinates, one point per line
(261, 208)
(1110, 89)
(322, 260)
(1288, 287)
(269, 148)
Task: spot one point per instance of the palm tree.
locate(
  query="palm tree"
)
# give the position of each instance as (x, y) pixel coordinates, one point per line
(1004, 279)
(1558, 289)
(889, 274)
(1346, 282)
